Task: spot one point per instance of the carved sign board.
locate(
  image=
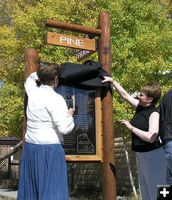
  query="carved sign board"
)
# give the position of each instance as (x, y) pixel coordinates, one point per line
(83, 54)
(71, 41)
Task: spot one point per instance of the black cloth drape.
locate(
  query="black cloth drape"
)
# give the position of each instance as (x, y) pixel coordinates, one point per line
(88, 74)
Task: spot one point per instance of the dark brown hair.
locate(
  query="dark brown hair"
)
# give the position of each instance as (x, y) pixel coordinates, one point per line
(152, 90)
(46, 73)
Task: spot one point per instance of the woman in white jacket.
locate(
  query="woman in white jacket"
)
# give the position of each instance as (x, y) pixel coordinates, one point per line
(43, 174)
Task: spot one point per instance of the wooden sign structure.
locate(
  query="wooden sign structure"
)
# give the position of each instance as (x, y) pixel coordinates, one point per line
(104, 53)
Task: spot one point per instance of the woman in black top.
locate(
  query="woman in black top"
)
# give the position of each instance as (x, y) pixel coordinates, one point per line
(144, 127)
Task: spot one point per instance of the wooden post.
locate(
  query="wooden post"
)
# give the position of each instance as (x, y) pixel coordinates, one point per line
(31, 61)
(31, 65)
(104, 51)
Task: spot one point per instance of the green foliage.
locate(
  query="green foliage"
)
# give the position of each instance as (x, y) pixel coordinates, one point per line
(141, 35)
(142, 47)
(11, 115)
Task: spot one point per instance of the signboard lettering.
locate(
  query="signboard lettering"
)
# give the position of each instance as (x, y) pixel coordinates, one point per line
(71, 41)
(83, 54)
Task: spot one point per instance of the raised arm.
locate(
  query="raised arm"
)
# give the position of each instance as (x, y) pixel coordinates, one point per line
(123, 93)
(30, 83)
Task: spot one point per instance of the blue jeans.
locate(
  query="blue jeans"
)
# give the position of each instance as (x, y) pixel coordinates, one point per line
(168, 152)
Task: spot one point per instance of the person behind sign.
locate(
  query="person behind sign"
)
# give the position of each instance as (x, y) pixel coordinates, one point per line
(42, 174)
(144, 127)
(166, 130)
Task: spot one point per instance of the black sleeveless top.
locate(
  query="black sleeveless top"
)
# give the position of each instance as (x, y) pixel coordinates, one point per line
(141, 121)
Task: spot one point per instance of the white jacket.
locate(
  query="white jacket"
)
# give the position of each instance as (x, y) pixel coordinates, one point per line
(47, 117)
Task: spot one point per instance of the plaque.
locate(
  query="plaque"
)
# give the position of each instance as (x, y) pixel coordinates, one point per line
(83, 143)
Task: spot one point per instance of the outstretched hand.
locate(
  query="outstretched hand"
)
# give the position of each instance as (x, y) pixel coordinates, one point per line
(107, 79)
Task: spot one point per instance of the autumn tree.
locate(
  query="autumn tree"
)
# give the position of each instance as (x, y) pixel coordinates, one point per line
(141, 35)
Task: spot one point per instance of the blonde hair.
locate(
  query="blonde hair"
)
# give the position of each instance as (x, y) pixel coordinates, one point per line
(152, 90)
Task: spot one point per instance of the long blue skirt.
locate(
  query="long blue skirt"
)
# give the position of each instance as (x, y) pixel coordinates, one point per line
(43, 174)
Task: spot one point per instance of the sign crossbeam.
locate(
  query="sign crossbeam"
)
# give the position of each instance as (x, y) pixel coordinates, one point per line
(73, 27)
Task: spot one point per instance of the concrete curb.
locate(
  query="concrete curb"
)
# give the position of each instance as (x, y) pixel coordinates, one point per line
(3, 197)
(8, 194)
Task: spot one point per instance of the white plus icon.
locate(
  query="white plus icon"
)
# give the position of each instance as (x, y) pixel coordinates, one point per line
(164, 192)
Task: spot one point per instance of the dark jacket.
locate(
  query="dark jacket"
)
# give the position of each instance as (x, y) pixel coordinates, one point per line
(166, 116)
